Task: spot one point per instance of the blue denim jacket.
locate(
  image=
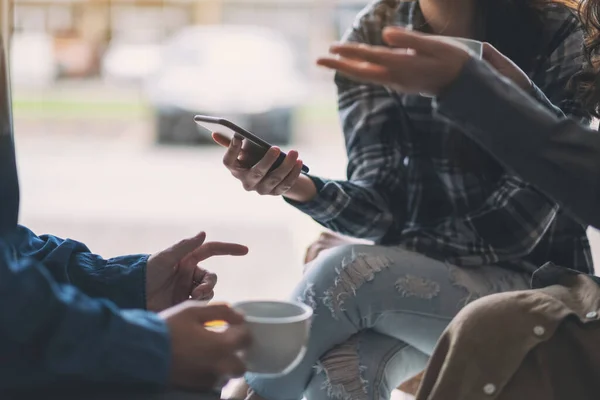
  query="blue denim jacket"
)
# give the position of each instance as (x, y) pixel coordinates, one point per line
(67, 315)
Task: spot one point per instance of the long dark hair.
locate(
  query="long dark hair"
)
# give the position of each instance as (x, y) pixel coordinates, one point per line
(587, 82)
(516, 29)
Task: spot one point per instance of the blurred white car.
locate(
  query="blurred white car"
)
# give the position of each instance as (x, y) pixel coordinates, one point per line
(32, 60)
(245, 73)
(131, 59)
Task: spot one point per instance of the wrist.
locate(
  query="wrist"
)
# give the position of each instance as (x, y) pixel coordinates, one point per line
(454, 76)
(303, 191)
(141, 349)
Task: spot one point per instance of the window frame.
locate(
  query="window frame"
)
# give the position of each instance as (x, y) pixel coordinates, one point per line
(6, 25)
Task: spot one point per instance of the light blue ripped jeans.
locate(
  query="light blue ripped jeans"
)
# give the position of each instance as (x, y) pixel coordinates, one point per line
(379, 312)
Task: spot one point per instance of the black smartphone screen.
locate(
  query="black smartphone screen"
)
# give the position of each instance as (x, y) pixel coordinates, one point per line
(228, 128)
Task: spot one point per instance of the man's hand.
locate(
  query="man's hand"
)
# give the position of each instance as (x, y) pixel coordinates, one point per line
(173, 275)
(203, 359)
(415, 63)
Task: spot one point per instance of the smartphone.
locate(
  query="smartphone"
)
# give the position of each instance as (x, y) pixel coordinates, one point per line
(256, 144)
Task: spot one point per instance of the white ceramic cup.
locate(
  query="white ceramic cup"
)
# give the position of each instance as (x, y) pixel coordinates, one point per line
(279, 332)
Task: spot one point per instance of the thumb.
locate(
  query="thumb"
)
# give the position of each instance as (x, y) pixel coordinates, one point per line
(221, 139)
(186, 246)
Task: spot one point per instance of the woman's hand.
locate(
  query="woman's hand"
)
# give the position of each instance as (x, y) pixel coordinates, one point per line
(414, 62)
(253, 171)
(506, 67)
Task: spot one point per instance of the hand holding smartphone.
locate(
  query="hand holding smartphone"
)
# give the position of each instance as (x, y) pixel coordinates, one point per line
(254, 144)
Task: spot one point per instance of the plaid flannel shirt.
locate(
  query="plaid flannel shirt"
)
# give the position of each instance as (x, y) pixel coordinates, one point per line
(405, 187)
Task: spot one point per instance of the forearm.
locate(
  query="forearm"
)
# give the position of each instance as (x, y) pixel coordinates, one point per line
(120, 279)
(303, 191)
(348, 208)
(53, 334)
(559, 156)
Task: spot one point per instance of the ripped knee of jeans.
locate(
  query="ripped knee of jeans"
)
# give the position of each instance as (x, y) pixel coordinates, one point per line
(309, 296)
(416, 286)
(343, 372)
(354, 271)
(483, 281)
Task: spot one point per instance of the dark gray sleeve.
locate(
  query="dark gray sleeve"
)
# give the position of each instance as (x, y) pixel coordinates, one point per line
(559, 156)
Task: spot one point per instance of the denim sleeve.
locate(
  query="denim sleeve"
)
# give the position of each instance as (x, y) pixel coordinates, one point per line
(121, 280)
(53, 334)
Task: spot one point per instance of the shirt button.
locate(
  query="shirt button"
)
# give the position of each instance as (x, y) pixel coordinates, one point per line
(539, 330)
(591, 315)
(489, 389)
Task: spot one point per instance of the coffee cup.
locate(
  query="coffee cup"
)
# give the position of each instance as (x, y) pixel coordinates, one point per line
(279, 331)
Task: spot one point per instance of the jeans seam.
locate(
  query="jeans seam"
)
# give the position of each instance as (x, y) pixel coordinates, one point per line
(380, 371)
(381, 315)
